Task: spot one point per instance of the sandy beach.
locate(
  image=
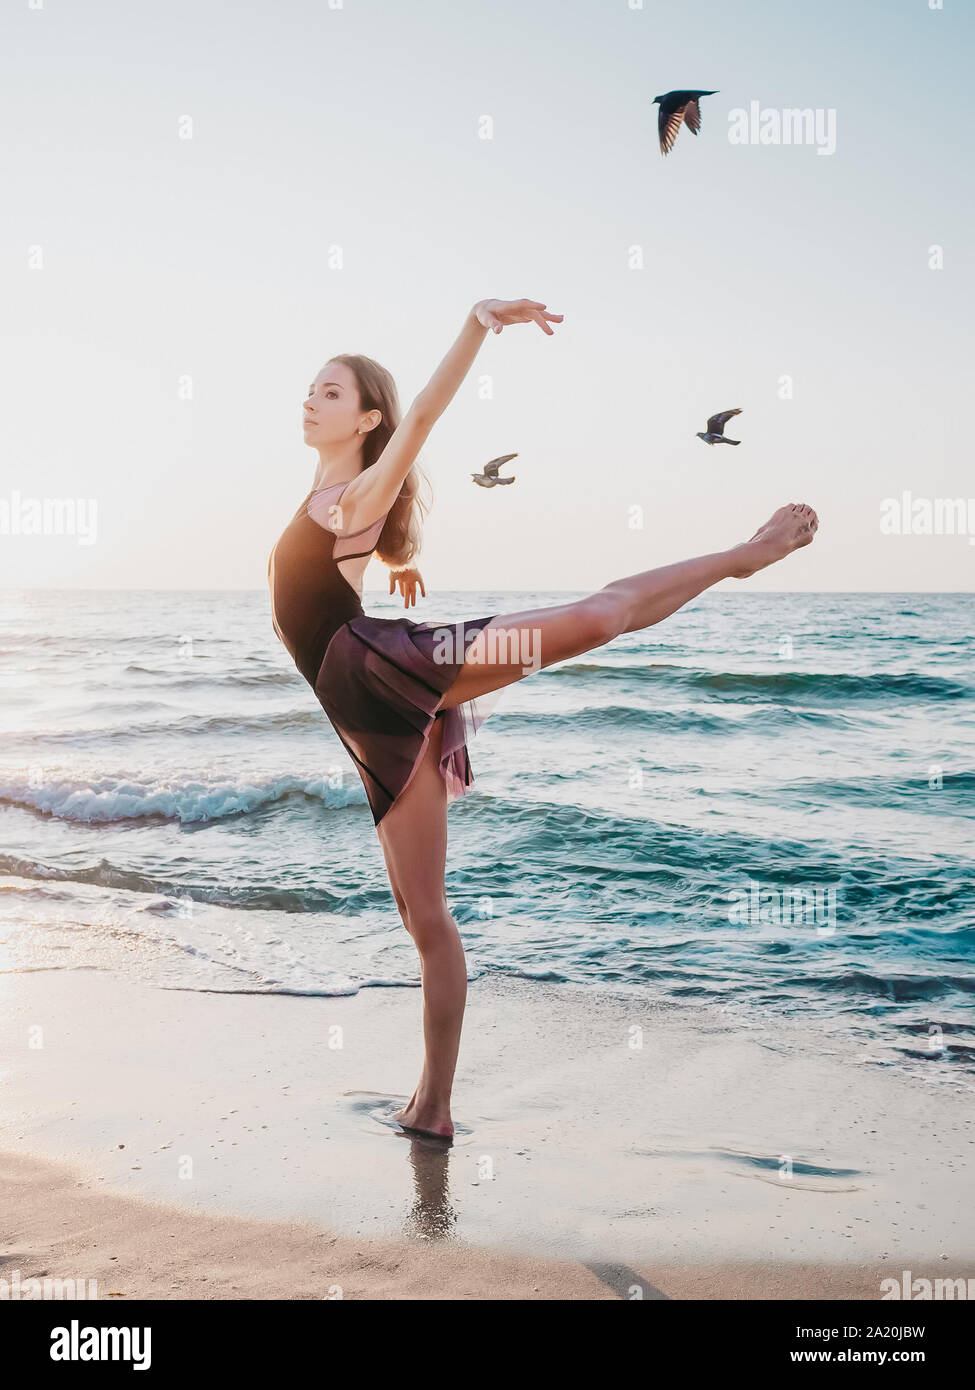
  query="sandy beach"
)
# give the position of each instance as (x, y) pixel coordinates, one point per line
(58, 1226)
(610, 427)
(172, 1144)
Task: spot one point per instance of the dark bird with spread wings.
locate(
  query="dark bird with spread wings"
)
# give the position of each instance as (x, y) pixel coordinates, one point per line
(489, 477)
(677, 109)
(715, 430)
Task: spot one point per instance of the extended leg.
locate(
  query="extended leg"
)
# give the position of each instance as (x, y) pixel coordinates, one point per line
(510, 647)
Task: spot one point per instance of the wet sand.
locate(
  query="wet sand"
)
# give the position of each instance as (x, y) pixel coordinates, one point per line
(239, 1146)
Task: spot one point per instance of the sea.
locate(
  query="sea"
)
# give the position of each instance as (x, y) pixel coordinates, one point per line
(764, 805)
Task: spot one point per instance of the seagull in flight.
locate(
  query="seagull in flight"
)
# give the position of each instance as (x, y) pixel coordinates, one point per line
(677, 109)
(489, 477)
(715, 430)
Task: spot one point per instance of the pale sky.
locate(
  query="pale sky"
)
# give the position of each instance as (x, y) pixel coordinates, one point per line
(134, 260)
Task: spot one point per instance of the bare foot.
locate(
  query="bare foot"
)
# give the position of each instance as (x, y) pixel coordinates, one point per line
(425, 1119)
(792, 526)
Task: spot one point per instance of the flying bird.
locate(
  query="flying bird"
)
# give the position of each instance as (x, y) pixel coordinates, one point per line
(715, 430)
(489, 477)
(676, 109)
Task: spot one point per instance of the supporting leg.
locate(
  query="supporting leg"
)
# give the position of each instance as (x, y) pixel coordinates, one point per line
(413, 835)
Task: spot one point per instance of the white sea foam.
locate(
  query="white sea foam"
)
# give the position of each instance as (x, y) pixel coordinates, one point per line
(106, 799)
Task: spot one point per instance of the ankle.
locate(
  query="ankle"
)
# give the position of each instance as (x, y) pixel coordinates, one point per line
(742, 553)
(431, 1100)
(743, 560)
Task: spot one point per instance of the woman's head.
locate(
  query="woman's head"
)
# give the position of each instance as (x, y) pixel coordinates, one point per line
(354, 400)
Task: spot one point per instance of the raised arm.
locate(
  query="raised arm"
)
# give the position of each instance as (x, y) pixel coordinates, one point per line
(376, 489)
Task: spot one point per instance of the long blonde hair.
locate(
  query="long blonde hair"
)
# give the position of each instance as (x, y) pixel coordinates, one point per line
(401, 538)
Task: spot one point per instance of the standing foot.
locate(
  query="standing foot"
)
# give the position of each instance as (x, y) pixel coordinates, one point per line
(425, 1118)
(792, 526)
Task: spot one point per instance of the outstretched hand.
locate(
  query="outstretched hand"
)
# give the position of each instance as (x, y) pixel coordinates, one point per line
(498, 313)
(407, 580)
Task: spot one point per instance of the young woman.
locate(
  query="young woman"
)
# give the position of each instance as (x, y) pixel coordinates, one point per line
(403, 696)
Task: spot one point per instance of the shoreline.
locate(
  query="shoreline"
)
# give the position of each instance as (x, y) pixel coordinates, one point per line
(56, 1226)
(600, 1140)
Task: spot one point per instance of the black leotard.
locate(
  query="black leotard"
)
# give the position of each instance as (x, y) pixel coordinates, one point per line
(381, 681)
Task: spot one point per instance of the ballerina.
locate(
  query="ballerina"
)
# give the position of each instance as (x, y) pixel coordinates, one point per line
(403, 697)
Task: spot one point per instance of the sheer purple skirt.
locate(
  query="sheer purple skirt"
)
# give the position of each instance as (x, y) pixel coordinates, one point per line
(380, 683)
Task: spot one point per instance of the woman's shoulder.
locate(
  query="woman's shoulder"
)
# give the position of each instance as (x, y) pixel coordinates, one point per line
(330, 509)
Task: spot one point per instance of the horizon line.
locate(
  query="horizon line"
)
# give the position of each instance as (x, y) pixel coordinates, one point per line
(744, 593)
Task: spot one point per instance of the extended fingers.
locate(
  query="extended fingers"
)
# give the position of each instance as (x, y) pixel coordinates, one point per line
(522, 311)
(530, 304)
(537, 311)
(540, 319)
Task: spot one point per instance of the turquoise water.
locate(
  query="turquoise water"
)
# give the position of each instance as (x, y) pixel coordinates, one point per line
(765, 803)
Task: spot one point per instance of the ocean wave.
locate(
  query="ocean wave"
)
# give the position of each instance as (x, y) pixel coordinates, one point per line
(767, 685)
(231, 680)
(675, 870)
(898, 988)
(106, 800)
(656, 720)
(662, 879)
(689, 870)
(883, 791)
(186, 726)
(659, 720)
(166, 899)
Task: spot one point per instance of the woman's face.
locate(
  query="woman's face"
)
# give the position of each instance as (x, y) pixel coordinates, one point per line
(332, 413)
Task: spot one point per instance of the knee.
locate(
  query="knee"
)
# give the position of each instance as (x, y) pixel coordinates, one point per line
(601, 618)
(430, 926)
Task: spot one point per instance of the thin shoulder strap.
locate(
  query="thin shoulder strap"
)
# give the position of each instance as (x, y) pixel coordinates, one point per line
(310, 504)
(361, 542)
